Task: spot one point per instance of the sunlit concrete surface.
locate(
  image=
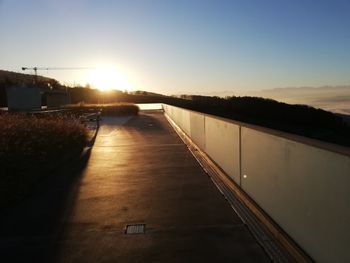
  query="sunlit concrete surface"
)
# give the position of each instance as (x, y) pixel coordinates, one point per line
(150, 106)
(140, 171)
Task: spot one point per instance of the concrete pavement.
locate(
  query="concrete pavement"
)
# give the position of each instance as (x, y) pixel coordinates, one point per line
(141, 172)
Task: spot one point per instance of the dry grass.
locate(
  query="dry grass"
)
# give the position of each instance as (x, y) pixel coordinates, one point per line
(31, 146)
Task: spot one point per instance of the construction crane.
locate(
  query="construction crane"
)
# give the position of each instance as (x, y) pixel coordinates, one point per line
(53, 68)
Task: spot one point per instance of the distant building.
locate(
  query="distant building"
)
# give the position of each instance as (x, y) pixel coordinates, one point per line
(23, 98)
(31, 97)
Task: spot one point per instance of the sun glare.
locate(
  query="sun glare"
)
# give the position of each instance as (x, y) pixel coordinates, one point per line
(106, 79)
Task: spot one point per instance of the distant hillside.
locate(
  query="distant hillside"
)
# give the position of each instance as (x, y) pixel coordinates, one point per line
(142, 92)
(331, 98)
(9, 77)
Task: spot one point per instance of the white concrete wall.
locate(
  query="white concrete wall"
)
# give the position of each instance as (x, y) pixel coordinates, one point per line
(305, 189)
(180, 116)
(183, 117)
(197, 131)
(222, 144)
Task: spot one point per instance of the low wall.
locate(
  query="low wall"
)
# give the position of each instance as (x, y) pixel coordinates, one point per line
(222, 144)
(302, 184)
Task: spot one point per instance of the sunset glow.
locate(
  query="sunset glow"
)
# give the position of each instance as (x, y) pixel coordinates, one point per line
(106, 79)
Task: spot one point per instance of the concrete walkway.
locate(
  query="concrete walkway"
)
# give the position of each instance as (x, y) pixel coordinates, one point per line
(141, 172)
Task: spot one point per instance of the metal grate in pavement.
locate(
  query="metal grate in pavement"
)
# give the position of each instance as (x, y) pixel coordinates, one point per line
(133, 229)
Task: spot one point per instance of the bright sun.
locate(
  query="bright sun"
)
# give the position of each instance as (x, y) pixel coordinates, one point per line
(106, 79)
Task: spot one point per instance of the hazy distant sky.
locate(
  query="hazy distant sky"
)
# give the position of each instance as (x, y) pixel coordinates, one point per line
(183, 45)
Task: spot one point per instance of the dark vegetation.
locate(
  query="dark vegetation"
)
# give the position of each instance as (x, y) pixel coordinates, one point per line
(298, 119)
(32, 147)
(112, 109)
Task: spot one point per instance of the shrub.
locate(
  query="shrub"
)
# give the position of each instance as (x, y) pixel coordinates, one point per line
(31, 146)
(114, 109)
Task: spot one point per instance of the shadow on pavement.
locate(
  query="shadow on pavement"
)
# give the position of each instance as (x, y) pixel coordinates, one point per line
(146, 121)
(29, 229)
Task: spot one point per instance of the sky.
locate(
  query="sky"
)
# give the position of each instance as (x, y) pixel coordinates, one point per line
(180, 46)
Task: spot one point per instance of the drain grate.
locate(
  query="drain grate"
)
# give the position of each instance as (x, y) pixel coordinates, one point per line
(133, 229)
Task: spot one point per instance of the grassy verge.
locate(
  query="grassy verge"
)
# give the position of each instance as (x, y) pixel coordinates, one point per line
(32, 147)
(114, 109)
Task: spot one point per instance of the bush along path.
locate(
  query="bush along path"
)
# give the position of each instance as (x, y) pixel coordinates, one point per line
(112, 109)
(32, 147)
(92, 124)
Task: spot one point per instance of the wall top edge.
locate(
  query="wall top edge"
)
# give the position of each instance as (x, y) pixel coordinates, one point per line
(289, 136)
